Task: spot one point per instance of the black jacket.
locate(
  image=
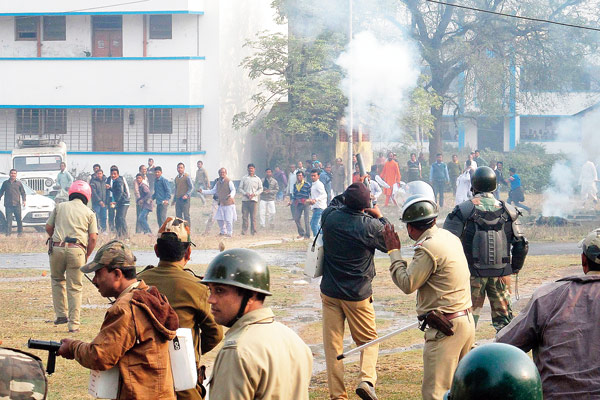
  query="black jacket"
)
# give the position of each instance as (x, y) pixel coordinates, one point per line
(350, 238)
(98, 191)
(119, 192)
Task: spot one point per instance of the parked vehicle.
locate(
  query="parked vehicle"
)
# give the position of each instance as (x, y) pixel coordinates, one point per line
(37, 160)
(35, 213)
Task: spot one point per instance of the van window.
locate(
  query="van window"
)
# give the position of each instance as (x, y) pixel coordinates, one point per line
(37, 163)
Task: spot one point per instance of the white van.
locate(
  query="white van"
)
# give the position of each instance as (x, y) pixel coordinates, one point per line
(37, 161)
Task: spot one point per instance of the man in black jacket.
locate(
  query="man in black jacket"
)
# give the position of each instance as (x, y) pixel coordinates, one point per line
(351, 233)
(97, 183)
(13, 191)
(120, 202)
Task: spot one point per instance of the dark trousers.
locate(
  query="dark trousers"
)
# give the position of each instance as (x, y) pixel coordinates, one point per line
(182, 210)
(438, 191)
(161, 212)
(112, 211)
(100, 216)
(138, 226)
(120, 223)
(297, 210)
(249, 211)
(16, 211)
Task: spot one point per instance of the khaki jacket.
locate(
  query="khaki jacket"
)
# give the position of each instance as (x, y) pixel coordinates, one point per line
(438, 270)
(261, 359)
(188, 297)
(73, 219)
(134, 336)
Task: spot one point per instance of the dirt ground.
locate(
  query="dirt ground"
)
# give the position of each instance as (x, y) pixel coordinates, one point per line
(27, 307)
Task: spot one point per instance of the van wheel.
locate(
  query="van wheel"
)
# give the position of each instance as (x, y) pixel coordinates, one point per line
(3, 226)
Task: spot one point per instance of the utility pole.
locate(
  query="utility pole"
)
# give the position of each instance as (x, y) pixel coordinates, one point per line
(350, 98)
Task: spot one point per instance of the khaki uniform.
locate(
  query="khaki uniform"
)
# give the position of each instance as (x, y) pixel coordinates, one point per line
(261, 359)
(188, 297)
(75, 220)
(440, 274)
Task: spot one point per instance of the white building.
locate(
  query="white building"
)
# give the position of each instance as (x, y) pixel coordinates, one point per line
(122, 83)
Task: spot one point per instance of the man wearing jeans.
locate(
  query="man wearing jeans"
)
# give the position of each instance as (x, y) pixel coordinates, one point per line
(97, 183)
(351, 233)
(299, 204)
(183, 192)
(13, 191)
(162, 194)
(438, 176)
(318, 200)
(250, 187)
(267, 199)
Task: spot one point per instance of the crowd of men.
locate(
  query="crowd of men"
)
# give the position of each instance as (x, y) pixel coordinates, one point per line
(452, 270)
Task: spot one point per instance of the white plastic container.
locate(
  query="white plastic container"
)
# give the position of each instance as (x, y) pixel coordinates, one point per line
(313, 266)
(104, 384)
(183, 360)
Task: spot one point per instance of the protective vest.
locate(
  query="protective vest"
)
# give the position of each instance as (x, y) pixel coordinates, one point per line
(487, 240)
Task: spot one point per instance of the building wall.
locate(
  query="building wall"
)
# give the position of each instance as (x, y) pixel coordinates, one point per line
(45, 6)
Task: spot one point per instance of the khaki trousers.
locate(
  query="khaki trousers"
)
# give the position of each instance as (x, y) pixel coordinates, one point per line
(441, 355)
(64, 268)
(361, 320)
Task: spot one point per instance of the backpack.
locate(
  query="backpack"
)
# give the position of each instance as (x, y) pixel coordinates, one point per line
(485, 240)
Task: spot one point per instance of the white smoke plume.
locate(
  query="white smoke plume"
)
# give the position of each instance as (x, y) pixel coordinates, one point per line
(379, 75)
(561, 198)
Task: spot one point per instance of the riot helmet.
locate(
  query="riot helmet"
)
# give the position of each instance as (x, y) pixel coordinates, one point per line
(496, 371)
(420, 188)
(483, 180)
(242, 268)
(418, 208)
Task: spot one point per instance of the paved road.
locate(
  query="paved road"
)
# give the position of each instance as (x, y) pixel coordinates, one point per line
(273, 256)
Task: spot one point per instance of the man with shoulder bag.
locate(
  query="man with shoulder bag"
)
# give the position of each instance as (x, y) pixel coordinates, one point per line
(351, 230)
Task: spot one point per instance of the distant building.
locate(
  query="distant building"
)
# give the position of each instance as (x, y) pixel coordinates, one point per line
(121, 83)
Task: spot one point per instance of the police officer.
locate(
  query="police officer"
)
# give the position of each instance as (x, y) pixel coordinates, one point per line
(73, 232)
(496, 372)
(186, 295)
(261, 358)
(439, 273)
(488, 229)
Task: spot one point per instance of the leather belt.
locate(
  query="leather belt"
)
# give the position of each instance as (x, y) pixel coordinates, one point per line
(65, 244)
(457, 314)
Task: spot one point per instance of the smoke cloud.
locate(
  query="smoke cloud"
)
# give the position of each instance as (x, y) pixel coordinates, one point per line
(379, 76)
(561, 198)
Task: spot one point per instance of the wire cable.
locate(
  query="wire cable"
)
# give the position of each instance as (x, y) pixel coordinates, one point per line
(514, 16)
(110, 5)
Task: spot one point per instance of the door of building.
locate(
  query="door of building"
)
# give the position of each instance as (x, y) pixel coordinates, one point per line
(107, 129)
(490, 133)
(107, 36)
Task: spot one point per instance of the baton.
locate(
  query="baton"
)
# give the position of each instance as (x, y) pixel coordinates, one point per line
(381, 339)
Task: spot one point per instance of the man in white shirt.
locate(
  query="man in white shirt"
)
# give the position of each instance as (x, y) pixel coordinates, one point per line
(318, 200)
(250, 188)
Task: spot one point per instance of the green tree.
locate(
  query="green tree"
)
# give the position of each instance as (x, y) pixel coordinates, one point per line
(486, 50)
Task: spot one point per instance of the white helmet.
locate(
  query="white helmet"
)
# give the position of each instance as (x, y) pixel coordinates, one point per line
(420, 188)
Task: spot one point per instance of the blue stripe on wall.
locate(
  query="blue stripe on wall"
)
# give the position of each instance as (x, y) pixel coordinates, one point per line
(102, 106)
(24, 14)
(100, 58)
(149, 153)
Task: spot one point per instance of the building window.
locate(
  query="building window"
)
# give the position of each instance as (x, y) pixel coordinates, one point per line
(160, 120)
(28, 121)
(55, 28)
(55, 121)
(26, 28)
(161, 27)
